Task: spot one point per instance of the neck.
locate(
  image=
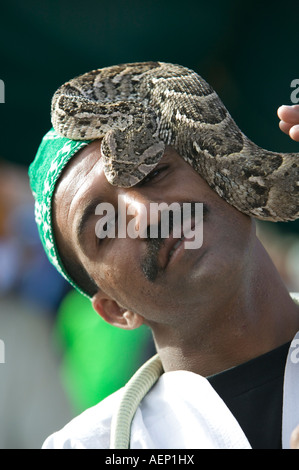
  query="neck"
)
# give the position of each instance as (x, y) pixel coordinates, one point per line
(259, 317)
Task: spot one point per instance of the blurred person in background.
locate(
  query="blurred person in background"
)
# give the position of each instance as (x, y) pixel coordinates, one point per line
(25, 270)
(30, 292)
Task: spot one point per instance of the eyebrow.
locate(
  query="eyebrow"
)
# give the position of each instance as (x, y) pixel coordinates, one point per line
(88, 212)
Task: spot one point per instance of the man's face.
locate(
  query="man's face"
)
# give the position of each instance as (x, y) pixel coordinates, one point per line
(137, 272)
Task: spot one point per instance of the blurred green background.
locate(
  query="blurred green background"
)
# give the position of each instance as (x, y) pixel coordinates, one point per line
(247, 50)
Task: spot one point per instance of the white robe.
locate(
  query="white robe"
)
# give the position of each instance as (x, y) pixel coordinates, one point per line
(181, 411)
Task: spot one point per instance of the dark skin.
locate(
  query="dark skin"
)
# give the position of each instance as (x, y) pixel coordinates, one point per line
(209, 309)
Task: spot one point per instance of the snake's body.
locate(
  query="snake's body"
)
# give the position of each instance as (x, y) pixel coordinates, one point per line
(137, 109)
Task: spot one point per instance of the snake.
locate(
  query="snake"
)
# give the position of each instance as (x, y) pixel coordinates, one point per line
(137, 109)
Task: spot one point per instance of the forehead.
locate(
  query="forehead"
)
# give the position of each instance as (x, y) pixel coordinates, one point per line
(80, 166)
(75, 182)
(89, 160)
(83, 182)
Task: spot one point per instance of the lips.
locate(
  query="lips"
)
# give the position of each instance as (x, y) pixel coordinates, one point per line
(175, 246)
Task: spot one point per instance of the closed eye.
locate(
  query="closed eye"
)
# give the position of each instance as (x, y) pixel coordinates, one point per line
(153, 175)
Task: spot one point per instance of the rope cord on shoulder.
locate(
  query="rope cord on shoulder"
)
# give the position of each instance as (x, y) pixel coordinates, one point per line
(133, 392)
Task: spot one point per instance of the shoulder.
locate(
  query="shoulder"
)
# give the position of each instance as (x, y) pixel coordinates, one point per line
(89, 430)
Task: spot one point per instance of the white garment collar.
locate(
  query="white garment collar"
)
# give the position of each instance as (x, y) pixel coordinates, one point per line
(183, 411)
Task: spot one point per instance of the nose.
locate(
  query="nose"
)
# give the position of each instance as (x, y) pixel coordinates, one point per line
(133, 214)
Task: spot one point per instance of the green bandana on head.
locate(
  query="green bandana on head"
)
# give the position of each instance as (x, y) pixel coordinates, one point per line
(52, 156)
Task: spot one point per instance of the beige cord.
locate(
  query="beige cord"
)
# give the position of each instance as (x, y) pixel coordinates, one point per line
(134, 391)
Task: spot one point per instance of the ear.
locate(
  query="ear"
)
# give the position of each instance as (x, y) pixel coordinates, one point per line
(114, 314)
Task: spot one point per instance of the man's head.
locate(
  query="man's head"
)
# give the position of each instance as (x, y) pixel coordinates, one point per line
(136, 280)
(69, 178)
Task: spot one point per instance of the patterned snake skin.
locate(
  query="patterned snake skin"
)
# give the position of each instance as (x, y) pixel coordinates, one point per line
(139, 108)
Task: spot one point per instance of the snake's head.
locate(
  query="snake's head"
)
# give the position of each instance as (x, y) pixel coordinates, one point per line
(129, 156)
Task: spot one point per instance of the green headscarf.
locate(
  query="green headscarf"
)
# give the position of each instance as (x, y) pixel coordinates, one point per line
(52, 156)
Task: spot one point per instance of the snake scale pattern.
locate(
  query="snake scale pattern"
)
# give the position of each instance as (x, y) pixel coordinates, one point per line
(139, 108)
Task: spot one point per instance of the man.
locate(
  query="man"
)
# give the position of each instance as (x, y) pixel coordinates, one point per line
(221, 317)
